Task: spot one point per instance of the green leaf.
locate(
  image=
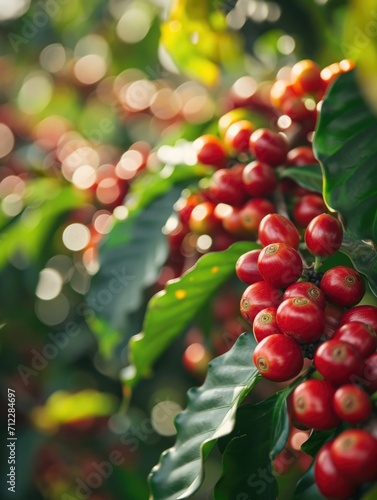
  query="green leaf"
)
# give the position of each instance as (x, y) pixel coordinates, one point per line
(210, 414)
(306, 487)
(307, 176)
(246, 465)
(315, 442)
(363, 257)
(345, 144)
(171, 311)
(132, 254)
(280, 422)
(130, 259)
(45, 200)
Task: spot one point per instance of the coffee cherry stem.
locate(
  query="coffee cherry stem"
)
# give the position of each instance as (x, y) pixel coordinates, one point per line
(317, 263)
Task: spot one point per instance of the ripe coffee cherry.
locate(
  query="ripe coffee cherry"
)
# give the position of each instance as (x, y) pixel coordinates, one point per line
(306, 77)
(302, 155)
(354, 453)
(256, 297)
(268, 146)
(323, 236)
(203, 220)
(253, 212)
(231, 219)
(352, 404)
(210, 150)
(225, 186)
(265, 324)
(364, 314)
(237, 136)
(358, 334)
(331, 483)
(247, 267)
(307, 290)
(333, 314)
(275, 228)
(280, 265)
(343, 286)
(312, 405)
(186, 205)
(259, 179)
(370, 373)
(278, 358)
(300, 319)
(281, 91)
(233, 116)
(338, 362)
(307, 208)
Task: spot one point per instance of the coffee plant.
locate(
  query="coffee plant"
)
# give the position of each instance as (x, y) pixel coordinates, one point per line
(276, 196)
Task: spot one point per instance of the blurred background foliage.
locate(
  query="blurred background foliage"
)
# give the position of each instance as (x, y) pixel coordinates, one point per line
(87, 94)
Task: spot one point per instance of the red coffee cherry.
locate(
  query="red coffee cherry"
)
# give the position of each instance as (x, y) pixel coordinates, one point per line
(370, 373)
(237, 136)
(338, 362)
(253, 212)
(312, 405)
(278, 358)
(307, 208)
(225, 186)
(323, 236)
(268, 146)
(354, 453)
(231, 219)
(203, 220)
(306, 77)
(185, 206)
(302, 155)
(281, 91)
(280, 265)
(265, 324)
(352, 404)
(307, 290)
(210, 150)
(331, 483)
(259, 179)
(258, 296)
(364, 314)
(300, 319)
(275, 228)
(359, 335)
(247, 267)
(343, 286)
(333, 314)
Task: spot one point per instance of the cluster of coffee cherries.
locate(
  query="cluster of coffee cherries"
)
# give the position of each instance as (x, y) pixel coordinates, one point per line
(299, 313)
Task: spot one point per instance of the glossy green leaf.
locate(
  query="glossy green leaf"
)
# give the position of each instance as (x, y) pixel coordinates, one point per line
(307, 176)
(306, 487)
(315, 442)
(363, 257)
(130, 259)
(280, 422)
(210, 414)
(132, 254)
(345, 144)
(246, 464)
(45, 200)
(169, 312)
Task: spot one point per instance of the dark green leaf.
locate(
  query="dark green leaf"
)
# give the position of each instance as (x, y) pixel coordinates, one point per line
(363, 257)
(307, 176)
(246, 466)
(210, 414)
(170, 311)
(132, 254)
(345, 144)
(315, 442)
(280, 422)
(130, 259)
(306, 487)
